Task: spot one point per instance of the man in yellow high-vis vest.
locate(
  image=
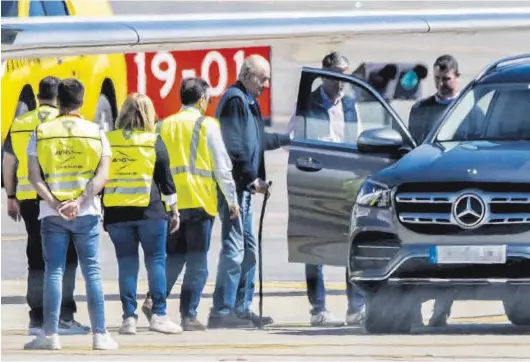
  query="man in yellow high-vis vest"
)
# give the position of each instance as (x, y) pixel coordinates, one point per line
(68, 165)
(22, 203)
(200, 165)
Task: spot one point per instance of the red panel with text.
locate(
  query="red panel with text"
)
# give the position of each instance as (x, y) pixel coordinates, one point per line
(159, 74)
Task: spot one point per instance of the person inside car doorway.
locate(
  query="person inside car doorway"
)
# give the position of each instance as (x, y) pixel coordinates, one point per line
(330, 104)
(23, 202)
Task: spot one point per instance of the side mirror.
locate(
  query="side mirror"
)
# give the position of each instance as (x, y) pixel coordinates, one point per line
(379, 140)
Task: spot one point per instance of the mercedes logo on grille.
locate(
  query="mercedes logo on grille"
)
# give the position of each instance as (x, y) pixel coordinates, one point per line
(469, 211)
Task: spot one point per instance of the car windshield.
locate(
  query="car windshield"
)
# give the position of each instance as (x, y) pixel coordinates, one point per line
(492, 112)
(9, 8)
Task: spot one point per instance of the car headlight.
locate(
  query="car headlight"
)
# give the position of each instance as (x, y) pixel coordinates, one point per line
(373, 194)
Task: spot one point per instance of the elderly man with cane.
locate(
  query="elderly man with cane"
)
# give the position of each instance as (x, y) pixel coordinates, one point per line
(246, 141)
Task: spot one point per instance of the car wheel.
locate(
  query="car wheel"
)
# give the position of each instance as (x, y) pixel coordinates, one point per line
(389, 309)
(516, 307)
(104, 114)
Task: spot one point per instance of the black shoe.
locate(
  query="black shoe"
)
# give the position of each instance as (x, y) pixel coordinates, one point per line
(192, 324)
(254, 318)
(228, 321)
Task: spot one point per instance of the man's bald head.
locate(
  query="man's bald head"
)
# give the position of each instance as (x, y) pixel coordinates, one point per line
(255, 74)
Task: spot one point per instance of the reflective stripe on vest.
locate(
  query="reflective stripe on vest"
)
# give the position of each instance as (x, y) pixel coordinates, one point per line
(190, 162)
(192, 168)
(132, 168)
(20, 132)
(69, 150)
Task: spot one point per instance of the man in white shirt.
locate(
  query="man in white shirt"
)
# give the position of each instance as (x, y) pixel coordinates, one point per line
(331, 111)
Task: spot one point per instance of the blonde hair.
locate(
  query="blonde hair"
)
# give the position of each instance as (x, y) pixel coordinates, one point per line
(137, 113)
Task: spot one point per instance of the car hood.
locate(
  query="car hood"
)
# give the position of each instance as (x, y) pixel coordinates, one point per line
(470, 161)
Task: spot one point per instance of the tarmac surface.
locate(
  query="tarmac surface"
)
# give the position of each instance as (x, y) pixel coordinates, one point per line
(477, 330)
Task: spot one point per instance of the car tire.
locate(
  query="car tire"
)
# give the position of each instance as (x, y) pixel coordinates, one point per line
(517, 307)
(103, 115)
(389, 310)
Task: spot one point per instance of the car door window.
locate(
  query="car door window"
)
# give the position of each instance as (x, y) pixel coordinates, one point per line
(36, 8)
(55, 8)
(335, 109)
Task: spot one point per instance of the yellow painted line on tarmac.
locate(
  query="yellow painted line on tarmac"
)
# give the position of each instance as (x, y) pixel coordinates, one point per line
(276, 346)
(500, 318)
(13, 237)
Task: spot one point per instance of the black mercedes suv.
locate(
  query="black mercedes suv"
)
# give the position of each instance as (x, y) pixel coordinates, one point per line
(450, 217)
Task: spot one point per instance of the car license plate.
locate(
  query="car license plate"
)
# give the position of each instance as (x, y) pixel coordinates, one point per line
(469, 254)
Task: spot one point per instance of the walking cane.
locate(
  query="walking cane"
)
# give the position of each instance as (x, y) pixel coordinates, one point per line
(260, 255)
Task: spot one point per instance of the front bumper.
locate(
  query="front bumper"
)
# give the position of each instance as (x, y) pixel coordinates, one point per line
(383, 249)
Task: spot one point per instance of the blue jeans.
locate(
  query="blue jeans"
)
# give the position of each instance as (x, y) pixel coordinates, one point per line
(29, 209)
(189, 246)
(234, 287)
(56, 233)
(126, 236)
(316, 291)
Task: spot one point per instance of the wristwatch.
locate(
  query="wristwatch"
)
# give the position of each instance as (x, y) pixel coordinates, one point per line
(12, 197)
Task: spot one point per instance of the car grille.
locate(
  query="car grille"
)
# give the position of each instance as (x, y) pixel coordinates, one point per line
(373, 250)
(429, 209)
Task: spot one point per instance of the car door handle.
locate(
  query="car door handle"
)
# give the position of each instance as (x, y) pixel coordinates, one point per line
(308, 164)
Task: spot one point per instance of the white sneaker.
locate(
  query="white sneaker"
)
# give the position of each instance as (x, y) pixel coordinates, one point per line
(325, 319)
(163, 324)
(44, 342)
(128, 326)
(103, 341)
(356, 319)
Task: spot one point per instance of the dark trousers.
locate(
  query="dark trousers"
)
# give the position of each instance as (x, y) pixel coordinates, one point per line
(189, 246)
(29, 210)
(316, 291)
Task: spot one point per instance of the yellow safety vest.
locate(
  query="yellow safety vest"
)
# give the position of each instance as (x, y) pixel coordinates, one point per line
(131, 169)
(184, 135)
(20, 132)
(69, 150)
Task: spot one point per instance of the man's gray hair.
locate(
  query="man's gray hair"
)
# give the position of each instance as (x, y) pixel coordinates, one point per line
(252, 65)
(335, 60)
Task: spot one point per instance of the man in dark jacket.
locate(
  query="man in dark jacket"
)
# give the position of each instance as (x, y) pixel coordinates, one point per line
(425, 113)
(423, 116)
(245, 138)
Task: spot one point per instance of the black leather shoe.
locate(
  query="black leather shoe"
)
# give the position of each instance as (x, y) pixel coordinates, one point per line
(228, 321)
(192, 324)
(265, 320)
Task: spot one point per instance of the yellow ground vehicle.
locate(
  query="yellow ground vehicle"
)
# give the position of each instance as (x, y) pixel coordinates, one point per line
(104, 76)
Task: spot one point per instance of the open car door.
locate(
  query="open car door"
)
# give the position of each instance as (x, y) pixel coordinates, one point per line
(325, 166)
